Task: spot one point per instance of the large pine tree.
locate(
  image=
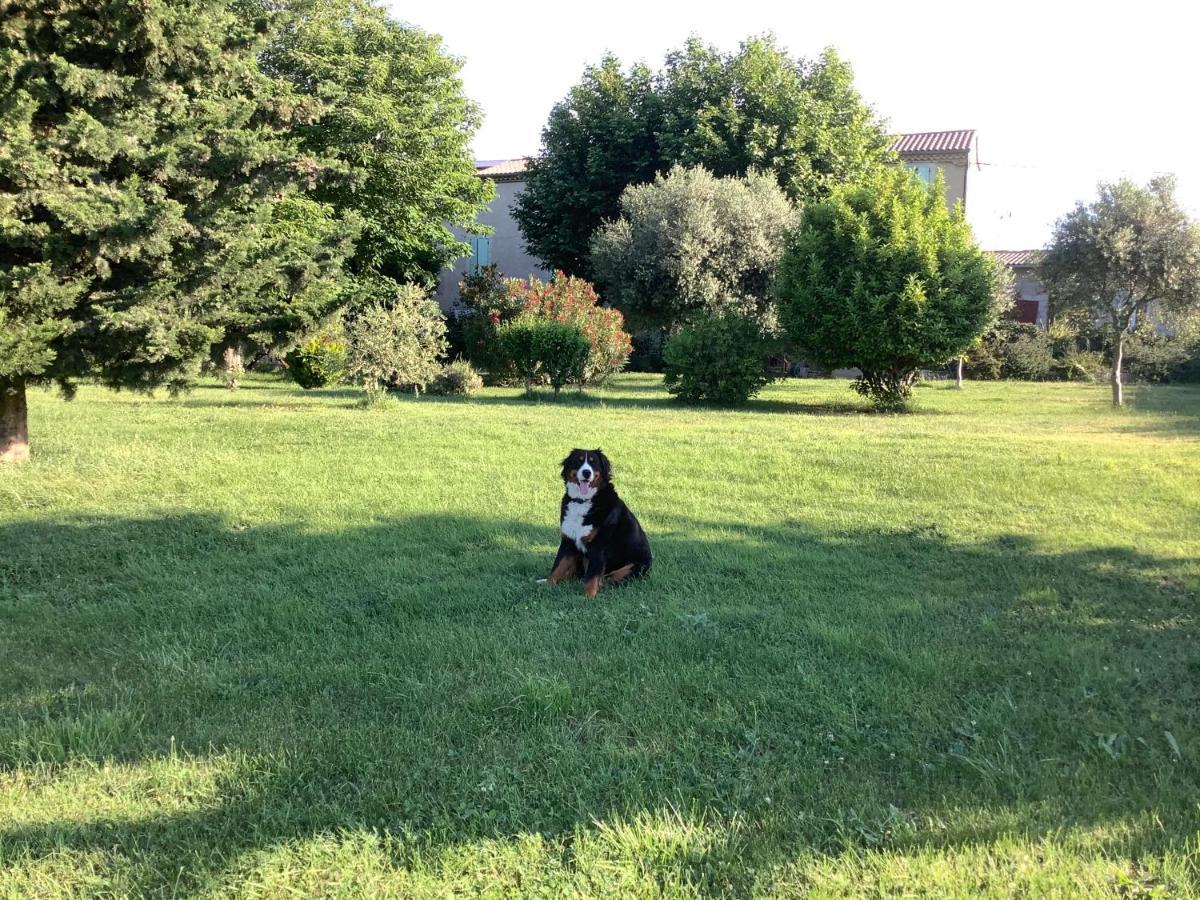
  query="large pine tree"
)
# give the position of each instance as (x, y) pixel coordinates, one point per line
(143, 160)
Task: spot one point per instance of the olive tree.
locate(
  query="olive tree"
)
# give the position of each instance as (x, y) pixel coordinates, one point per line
(690, 242)
(396, 340)
(1131, 253)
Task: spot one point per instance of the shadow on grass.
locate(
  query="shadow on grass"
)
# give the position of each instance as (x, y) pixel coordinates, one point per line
(825, 690)
(1177, 408)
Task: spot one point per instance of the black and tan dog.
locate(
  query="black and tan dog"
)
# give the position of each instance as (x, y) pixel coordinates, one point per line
(602, 540)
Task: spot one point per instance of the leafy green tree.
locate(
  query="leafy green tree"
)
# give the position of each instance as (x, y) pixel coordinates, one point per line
(598, 139)
(757, 108)
(884, 278)
(801, 120)
(1131, 254)
(143, 155)
(691, 242)
(396, 340)
(394, 114)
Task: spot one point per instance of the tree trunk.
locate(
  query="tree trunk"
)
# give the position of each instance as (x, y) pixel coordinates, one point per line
(14, 422)
(958, 374)
(1118, 389)
(232, 367)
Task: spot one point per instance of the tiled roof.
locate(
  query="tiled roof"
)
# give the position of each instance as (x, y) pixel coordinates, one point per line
(934, 142)
(1017, 257)
(495, 168)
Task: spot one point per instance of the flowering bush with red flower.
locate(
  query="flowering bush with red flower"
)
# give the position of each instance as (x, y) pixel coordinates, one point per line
(574, 301)
(492, 301)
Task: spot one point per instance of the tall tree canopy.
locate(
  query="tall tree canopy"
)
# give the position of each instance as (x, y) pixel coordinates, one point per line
(598, 140)
(394, 114)
(800, 120)
(143, 163)
(1130, 252)
(882, 277)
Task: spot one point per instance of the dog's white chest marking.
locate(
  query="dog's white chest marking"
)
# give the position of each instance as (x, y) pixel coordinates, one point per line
(572, 523)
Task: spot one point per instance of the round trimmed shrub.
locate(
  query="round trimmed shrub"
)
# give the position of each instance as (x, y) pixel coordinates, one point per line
(717, 359)
(562, 349)
(457, 379)
(575, 302)
(547, 350)
(317, 362)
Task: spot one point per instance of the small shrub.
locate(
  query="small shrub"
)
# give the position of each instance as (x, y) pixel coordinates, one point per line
(318, 362)
(981, 362)
(1025, 351)
(490, 301)
(397, 344)
(543, 349)
(458, 378)
(487, 302)
(574, 301)
(716, 359)
(563, 352)
(516, 345)
(1013, 350)
(1154, 357)
(1081, 365)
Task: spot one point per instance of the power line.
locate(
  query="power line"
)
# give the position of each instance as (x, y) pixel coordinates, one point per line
(1060, 168)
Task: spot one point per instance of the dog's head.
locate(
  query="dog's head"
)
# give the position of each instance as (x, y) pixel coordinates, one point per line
(585, 472)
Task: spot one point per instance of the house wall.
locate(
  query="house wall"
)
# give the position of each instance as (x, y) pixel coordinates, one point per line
(1027, 287)
(955, 173)
(507, 246)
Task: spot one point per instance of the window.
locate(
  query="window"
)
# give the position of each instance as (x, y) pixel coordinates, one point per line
(481, 254)
(926, 172)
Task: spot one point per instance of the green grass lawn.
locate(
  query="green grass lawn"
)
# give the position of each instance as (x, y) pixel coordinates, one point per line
(272, 644)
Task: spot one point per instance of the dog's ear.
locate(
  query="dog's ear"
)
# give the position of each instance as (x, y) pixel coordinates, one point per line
(566, 464)
(605, 466)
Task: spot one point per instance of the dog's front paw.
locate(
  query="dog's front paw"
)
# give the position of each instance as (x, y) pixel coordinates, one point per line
(542, 581)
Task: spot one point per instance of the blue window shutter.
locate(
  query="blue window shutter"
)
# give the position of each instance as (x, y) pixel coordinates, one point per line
(481, 254)
(925, 173)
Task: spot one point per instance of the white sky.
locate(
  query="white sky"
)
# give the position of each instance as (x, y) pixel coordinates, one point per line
(1061, 94)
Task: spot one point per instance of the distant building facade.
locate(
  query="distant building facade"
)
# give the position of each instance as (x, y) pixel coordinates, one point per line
(504, 247)
(1032, 305)
(949, 152)
(952, 153)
